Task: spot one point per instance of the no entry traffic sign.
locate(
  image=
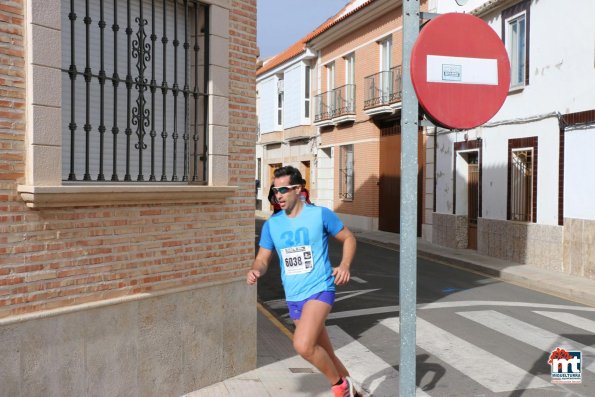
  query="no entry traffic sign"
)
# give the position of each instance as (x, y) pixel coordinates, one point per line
(460, 71)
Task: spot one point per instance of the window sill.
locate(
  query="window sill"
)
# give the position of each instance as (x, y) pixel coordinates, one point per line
(516, 89)
(101, 195)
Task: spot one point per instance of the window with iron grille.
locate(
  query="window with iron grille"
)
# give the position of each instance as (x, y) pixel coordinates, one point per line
(346, 173)
(521, 185)
(521, 198)
(134, 102)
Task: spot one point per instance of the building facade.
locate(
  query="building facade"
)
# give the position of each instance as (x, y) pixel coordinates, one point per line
(127, 135)
(352, 64)
(519, 187)
(357, 108)
(286, 133)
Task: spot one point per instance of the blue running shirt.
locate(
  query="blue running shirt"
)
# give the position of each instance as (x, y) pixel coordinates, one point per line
(302, 246)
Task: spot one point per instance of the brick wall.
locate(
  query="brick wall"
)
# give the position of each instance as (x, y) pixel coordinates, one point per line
(12, 133)
(242, 101)
(12, 104)
(53, 258)
(364, 134)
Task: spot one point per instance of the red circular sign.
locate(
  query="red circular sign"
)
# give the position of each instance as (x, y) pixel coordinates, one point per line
(460, 71)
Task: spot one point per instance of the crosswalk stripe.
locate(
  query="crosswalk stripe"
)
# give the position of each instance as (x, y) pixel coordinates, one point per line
(366, 368)
(528, 333)
(570, 319)
(352, 294)
(474, 362)
(363, 312)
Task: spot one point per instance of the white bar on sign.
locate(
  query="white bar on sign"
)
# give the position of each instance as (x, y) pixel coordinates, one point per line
(460, 70)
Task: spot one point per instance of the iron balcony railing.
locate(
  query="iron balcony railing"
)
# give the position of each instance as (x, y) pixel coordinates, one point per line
(343, 100)
(383, 88)
(338, 102)
(322, 110)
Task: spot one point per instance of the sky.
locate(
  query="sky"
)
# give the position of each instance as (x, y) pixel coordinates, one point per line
(283, 22)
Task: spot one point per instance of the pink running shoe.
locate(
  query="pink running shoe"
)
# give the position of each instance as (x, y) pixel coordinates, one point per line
(345, 389)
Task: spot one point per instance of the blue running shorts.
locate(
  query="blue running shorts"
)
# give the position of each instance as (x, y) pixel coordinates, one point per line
(295, 307)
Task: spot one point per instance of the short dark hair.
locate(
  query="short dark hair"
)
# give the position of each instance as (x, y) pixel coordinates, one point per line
(295, 177)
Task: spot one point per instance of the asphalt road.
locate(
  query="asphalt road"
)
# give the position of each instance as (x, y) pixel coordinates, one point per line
(476, 336)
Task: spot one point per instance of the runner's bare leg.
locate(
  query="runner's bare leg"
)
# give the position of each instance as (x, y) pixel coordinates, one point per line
(308, 330)
(325, 342)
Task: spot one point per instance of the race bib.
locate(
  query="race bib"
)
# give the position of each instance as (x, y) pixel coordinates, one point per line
(297, 260)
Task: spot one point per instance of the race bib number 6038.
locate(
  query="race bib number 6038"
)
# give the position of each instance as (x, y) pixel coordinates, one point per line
(297, 260)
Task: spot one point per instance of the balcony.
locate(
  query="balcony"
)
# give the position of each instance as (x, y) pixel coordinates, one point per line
(383, 92)
(335, 107)
(322, 111)
(344, 104)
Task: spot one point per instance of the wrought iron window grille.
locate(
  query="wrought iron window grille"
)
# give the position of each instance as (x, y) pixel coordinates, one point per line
(162, 112)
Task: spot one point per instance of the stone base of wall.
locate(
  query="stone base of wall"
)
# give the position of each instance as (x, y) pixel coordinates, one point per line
(528, 243)
(579, 247)
(163, 345)
(357, 222)
(427, 232)
(449, 230)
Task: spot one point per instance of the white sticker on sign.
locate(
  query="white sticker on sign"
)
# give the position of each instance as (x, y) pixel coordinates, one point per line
(460, 70)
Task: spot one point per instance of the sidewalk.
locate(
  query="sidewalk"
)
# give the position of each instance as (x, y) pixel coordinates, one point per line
(281, 373)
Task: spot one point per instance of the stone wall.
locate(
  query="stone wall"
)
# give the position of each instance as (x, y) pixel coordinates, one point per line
(529, 243)
(449, 230)
(569, 248)
(579, 247)
(161, 345)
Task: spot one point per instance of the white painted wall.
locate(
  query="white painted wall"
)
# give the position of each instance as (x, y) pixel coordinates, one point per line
(562, 80)
(444, 172)
(579, 174)
(495, 168)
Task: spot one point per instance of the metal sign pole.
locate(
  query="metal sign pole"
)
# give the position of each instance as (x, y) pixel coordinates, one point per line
(408, 226)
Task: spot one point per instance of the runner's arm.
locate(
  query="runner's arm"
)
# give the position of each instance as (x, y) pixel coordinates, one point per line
(342, 273)
(259, 266)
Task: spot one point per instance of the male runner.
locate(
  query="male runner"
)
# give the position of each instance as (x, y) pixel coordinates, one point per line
(300, 233)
